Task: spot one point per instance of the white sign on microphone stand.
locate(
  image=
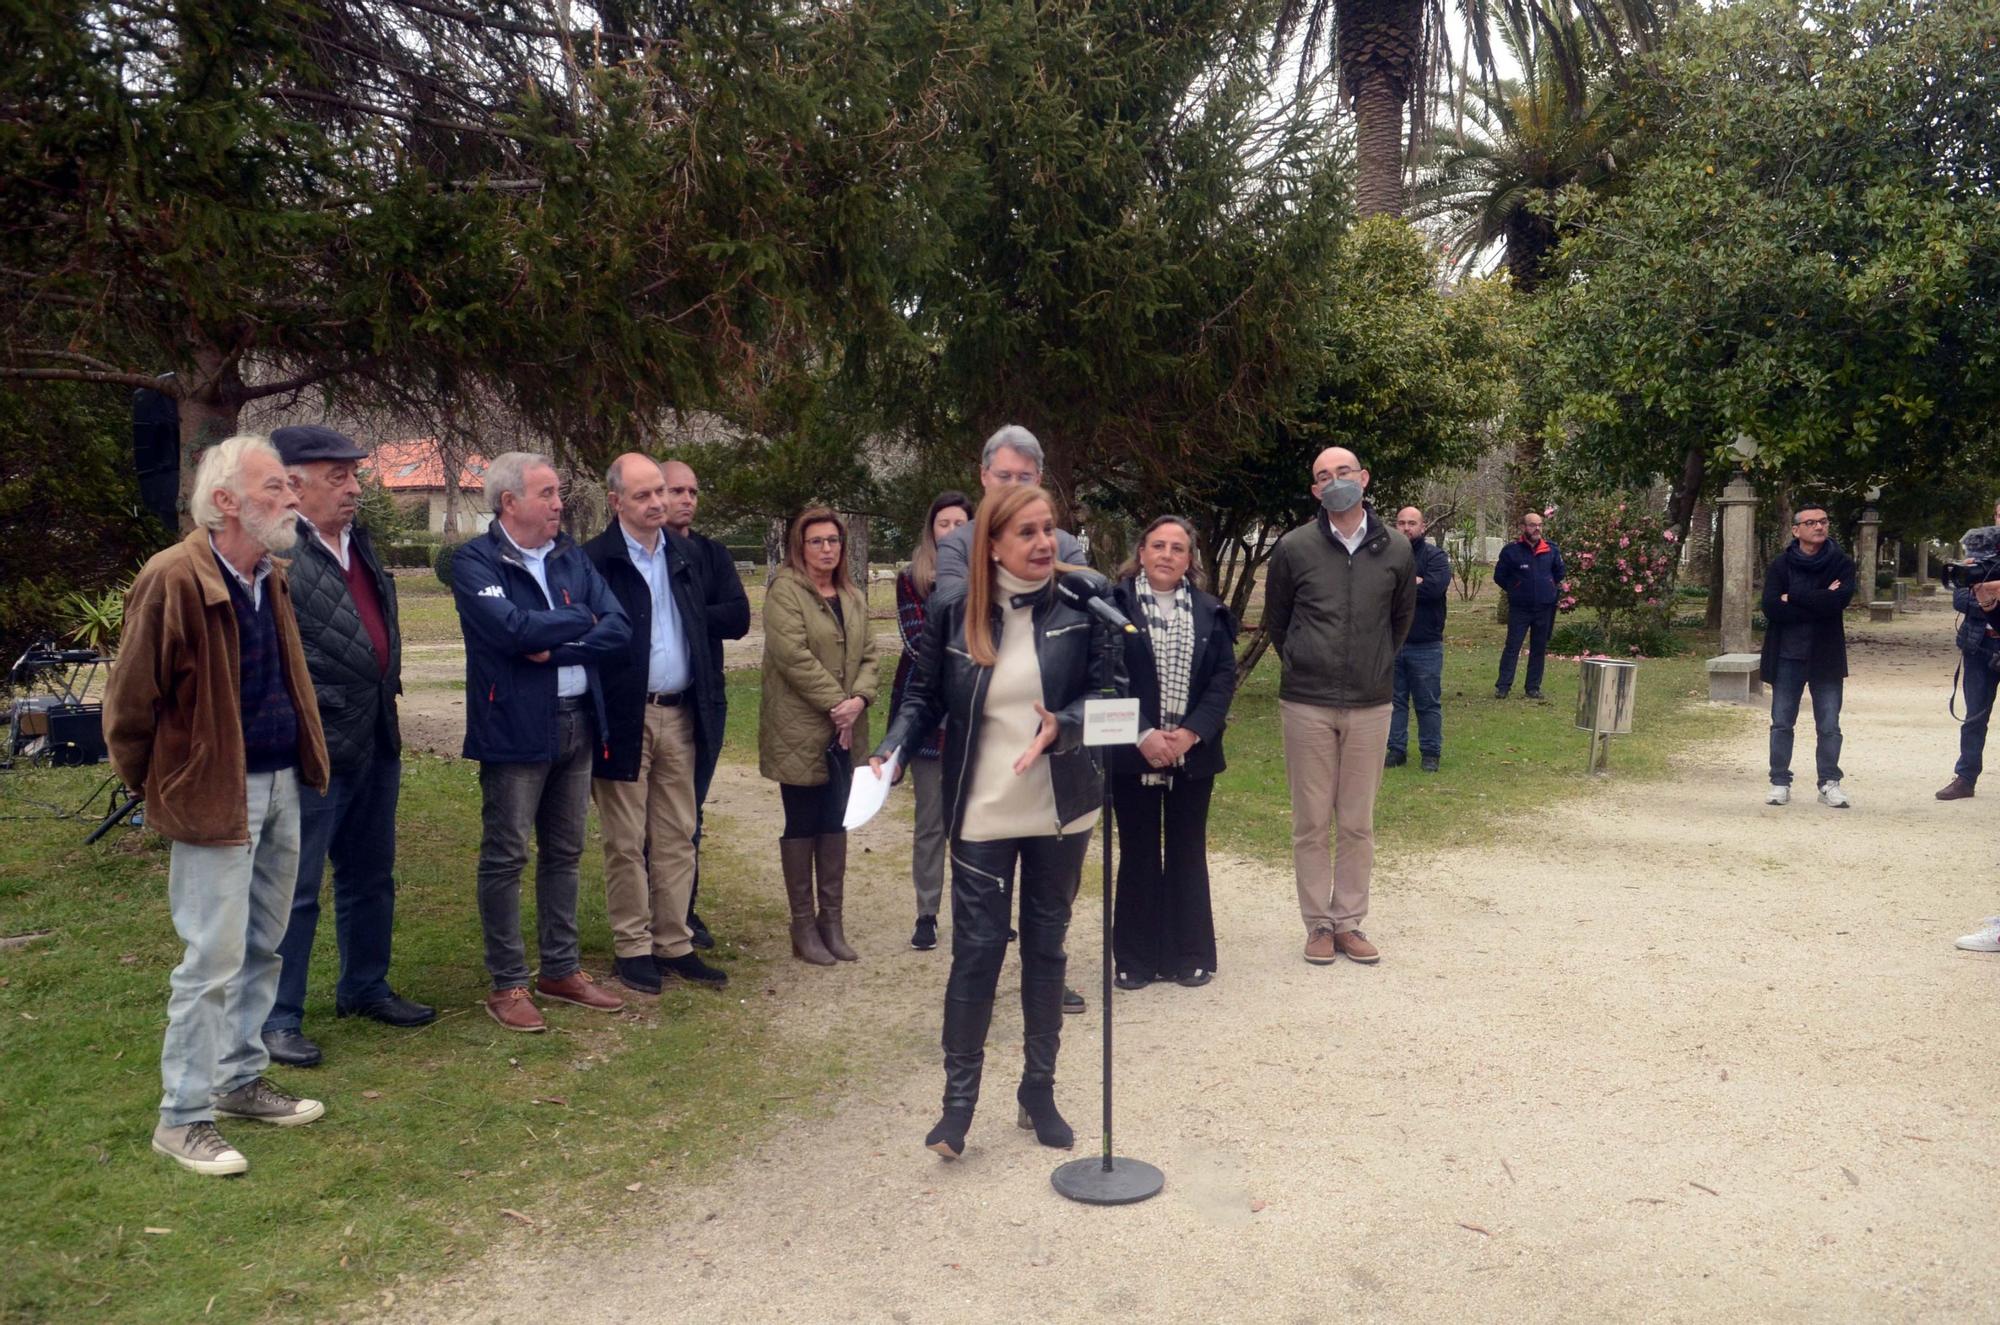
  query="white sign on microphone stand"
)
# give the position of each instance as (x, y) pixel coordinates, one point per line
(1110, 721)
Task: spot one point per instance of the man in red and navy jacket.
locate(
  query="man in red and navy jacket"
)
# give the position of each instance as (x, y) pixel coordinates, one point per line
(1530, 572)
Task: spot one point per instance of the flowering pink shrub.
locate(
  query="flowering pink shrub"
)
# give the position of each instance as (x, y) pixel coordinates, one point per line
(1621, 559)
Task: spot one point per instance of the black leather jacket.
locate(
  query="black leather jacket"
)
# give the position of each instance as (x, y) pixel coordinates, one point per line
(946, 684)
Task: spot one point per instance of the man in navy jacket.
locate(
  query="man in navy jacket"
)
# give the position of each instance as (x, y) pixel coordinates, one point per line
(1420, 662)
(1530, 572)
(538, 620)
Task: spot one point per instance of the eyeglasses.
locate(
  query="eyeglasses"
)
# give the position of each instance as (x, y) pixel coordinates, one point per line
(1345, 471)
(1809, 524)
(831, 540)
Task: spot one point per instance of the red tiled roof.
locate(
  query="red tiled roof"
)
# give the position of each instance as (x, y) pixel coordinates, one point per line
(416, 466)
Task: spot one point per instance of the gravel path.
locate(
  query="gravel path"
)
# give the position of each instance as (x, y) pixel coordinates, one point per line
(1662, 1053)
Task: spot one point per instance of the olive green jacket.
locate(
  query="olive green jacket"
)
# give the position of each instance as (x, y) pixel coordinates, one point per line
(812, 661)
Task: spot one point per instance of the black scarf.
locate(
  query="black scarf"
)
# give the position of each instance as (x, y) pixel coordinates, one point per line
(1818, 561)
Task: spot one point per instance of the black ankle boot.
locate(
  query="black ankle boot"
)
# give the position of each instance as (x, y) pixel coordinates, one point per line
(948, 1137)
(1039, 1114)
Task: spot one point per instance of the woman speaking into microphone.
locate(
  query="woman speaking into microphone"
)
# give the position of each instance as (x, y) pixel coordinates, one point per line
(1007, 667)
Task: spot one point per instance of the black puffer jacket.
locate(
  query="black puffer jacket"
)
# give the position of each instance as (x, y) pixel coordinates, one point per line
(947, 685)
(357, 698)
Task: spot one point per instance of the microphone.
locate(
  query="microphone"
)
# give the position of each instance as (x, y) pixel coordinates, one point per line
(1092, 593)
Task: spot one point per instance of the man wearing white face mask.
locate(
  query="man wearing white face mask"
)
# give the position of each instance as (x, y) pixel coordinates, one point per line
(1340, 600)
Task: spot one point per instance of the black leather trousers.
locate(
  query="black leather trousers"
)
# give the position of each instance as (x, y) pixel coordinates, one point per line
(982, 897)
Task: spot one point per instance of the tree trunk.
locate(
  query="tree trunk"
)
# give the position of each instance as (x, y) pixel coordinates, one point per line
(1714, 618)
(208, 415)
(774, 548)
(857, 548)
(1379, 44)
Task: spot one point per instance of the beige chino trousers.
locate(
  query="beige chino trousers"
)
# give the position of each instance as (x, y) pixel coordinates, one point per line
(1333, 759)
(646, 889)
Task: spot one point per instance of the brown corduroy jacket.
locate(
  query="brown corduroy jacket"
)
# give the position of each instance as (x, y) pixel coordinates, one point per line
(173, 717)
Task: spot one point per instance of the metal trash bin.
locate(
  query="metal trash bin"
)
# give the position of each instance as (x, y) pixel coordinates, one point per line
(1605, 693)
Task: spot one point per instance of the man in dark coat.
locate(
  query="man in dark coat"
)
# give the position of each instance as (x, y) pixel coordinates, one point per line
(538, 622)
(1979, 647)
(1420, 662)
(727, 608)
(660, 717)
(1805, 646)
(1530, 572)
(346, 607)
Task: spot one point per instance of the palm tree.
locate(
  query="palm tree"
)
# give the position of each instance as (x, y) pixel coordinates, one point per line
(1392, 52)
(1518, 143)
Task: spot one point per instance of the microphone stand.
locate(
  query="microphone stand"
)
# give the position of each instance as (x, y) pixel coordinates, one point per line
(1109, 1179)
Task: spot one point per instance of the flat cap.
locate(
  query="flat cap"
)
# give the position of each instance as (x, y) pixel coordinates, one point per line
(306, 442)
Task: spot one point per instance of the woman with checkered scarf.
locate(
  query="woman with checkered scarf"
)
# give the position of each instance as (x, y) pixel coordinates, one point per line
(1182, 668)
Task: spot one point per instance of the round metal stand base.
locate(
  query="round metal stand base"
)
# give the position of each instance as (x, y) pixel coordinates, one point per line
(1125, 1182)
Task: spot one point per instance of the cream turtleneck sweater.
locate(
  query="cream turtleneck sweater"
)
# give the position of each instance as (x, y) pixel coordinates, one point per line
(998, 802)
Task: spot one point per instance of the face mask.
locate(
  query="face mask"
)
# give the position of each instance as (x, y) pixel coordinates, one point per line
(1340, 496)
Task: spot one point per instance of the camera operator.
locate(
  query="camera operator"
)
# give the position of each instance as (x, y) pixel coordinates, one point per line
(1975, 592)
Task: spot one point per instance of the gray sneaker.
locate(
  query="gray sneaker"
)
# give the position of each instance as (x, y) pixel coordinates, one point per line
(198, 1146)
(261, 1102)
(1832, 796)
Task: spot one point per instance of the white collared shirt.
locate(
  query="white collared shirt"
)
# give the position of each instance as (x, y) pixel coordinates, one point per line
(339, 547)
(570, 681)
(253, 586)
(667, 668)
(1353, 543)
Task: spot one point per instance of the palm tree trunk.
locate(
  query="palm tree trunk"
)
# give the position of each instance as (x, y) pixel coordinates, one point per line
(1380, 43)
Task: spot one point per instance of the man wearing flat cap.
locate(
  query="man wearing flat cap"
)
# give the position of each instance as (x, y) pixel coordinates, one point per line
(346, 607)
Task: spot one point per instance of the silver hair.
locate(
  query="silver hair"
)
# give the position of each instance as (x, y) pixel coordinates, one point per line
(221, 466)
(1015, 438)
(508, 472)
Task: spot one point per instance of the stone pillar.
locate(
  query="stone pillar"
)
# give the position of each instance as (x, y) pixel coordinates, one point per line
(1739, 550)
(1866, 548)
(1923, 575)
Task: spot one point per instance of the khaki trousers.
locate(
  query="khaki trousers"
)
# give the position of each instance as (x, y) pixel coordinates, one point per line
(649, 827)
(1333, 758)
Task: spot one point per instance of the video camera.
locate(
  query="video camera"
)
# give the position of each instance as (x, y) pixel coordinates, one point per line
(1982, 560)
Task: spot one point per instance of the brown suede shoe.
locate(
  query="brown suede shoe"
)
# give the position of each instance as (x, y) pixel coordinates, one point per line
(1958, 789)
(578, 988)
(1354, 946)
(1320, 947)
(513, 1009)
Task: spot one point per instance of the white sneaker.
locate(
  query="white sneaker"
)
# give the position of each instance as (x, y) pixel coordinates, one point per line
(1778, 795)
(1832, 796)
(1984, 939)
(198, 1146)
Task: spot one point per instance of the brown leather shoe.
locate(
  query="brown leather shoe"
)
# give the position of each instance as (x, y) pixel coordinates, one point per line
(1958, 789)
(1354, 946)
(577, 987)
(513, 1009)
(1319, 948)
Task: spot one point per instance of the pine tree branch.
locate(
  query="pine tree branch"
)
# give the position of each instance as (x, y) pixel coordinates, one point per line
(472, 19)
(82, 375)
(312, 377)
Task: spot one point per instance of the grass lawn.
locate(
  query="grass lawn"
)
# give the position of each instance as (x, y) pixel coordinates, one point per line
(435, 1136)
(432, 1135)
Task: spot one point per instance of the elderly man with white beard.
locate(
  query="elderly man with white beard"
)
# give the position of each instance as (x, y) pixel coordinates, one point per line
(210, 715)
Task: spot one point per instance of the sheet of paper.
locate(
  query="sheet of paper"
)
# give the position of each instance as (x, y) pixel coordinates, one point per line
(868, 793)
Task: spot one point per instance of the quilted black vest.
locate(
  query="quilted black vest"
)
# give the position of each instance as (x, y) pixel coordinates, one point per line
(357, 700)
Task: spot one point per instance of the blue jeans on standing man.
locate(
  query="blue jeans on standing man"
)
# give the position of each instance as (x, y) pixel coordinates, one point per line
(1981, 682)
(1419, 680)
(354, 826)
(552, 799)
(1786, 689)
(1535, 623)
(230, 905)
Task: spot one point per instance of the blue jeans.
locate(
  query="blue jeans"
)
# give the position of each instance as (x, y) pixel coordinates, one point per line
(1535, 623)
(1419, 680)
(230, 906)
(1981, 682)
(354, 825)
(1786, 688)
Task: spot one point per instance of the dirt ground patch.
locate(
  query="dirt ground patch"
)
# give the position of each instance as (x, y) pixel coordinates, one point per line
(1659, 1053)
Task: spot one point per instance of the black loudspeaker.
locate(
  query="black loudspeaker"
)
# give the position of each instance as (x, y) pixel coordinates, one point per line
(76, 735)
(156, 453)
